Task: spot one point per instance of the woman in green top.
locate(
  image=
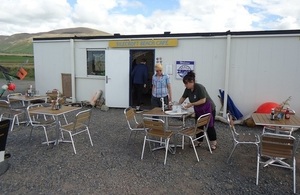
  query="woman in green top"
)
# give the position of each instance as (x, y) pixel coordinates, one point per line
(202, 103)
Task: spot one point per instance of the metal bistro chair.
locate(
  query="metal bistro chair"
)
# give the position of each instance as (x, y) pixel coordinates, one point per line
(191, 132)
(240, 138)
(15, 103)
(37, 121)
(20, 105)
(79, 125)
(277, 147)
(10, 113)
(133, 124)
(156, 133)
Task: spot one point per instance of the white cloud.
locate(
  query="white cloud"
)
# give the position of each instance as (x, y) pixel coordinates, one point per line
(32, 15)
(277, 14)
(115, 16)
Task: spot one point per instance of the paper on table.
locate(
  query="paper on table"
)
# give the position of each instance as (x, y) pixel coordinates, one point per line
(171, 112)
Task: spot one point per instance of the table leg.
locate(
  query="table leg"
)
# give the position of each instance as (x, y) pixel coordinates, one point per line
(162, 146)
(277, 129)
(56, 130)
(57, 137)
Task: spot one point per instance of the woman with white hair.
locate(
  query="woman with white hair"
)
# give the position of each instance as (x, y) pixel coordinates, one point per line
(161, 87)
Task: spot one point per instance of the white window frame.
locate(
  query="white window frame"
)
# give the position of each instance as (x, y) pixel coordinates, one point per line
(100, 69)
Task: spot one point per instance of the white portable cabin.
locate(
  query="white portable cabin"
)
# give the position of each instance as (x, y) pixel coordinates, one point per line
(253, 67)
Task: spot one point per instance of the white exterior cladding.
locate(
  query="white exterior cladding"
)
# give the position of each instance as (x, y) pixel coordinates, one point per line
(261, 68)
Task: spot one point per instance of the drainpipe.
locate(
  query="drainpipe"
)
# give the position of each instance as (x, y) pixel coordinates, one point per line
(227, 72)
(72, 61)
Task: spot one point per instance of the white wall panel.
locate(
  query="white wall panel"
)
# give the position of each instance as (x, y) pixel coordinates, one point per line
(262, 68)
(50, 60)
(209, 56)
(87, 87)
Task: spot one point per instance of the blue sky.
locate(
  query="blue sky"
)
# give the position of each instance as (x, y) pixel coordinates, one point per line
(148, 6)
(148, 16)
(144, 7)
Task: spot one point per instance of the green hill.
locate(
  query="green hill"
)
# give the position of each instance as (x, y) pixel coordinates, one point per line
(21, 43)
(17, 50)
(16, 44)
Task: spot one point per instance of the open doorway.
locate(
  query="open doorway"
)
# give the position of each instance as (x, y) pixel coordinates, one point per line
(135, 57)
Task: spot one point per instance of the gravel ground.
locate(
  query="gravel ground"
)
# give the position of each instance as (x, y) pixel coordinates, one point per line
(112, 166)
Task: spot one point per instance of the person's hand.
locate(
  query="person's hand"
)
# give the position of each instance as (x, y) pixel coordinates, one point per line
(144, 85)
(184, 105)
(189, 105)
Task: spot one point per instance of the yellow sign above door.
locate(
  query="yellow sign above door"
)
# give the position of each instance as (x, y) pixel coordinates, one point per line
(144, 43)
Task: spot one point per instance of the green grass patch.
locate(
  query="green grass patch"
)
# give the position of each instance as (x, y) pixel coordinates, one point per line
(18, 59)
(13, 71)
(14, 62)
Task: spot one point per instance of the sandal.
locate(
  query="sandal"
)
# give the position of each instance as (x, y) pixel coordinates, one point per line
(7, 155)
(213, 147)
(197, 144)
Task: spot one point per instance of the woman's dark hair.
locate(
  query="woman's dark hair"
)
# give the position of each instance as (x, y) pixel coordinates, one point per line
(189, 77)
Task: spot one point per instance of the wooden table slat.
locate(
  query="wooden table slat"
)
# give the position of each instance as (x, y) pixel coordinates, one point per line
(264, 119)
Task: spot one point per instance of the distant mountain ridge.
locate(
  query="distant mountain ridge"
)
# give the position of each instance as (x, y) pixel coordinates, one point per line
(21, 43)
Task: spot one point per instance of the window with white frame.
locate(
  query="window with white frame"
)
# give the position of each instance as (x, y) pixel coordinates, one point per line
(95, 62)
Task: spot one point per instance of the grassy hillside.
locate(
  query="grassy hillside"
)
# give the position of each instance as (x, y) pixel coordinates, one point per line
(15, 59)
(14, 62)
(16, 49)
(22, 43)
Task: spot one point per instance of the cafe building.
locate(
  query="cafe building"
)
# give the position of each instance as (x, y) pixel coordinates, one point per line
(253, 67)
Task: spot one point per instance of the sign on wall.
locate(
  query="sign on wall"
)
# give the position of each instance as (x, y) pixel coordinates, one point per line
(143, 43)
(183, 67)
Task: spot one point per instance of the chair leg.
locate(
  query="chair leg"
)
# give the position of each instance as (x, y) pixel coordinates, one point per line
(143, 148)
(233, 149)
(62, 135)
(182, 143)
(264, 129)
(207, 141)
(17, 120)
(90, 137)
(257, 169)
(12, 123)
(30, 133)
(161, 141)
(65, 119)
(72, 142)
(167, 149)
(45, 131)
(194, 149)
(294, 175)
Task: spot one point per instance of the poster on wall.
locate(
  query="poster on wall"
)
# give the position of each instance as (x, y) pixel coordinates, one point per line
(183, 67)
(169, 70)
